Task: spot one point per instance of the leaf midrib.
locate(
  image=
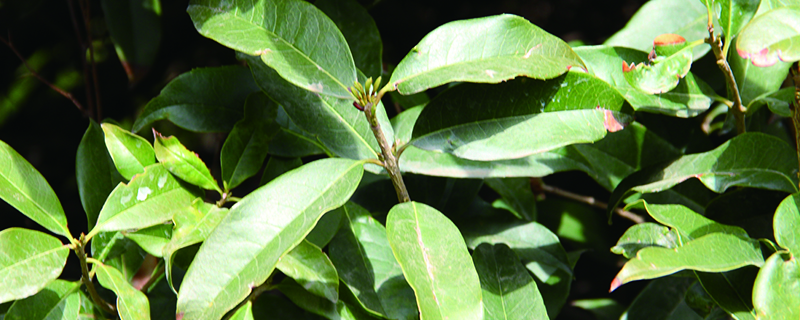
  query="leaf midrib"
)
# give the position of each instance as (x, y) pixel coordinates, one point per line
(34, 257)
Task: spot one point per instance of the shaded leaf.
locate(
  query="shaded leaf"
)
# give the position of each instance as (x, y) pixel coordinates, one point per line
(312, 269)
(58, 300)
(359, 30)
(30, 260)
(246, 146)
(95, 172)
(754, 82)
(487, 50)
(731, 290)
(183, 163)
(778, 102)
(662, 299)
(644, 235)
(517, 195)
(130, 152)
(775, 290)
(135, 29)
(601, 308)
(244, 312)
(277, 166)
(748, 208)
(131, 303)
(787, 223)
(509, 292)
(771, 36)
(152, 239)
(279, 307)
(326, 228)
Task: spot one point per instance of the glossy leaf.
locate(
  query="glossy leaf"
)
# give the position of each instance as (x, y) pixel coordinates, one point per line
(148, 199)
(689, 224)
(291, 141)
(326, 228)
(193, 100)
(737, 162)
(509, 292)
(731, 290)
(359, 30)
(435, 261)
(662, 299)
(312, 269)
(261, 228)
(95, 172)
(58, 300)
(277, 166)
(514, 119)
(787, 223)
(710, 253)
(244, 312)
(771, 36)
(366, 264)
(517, 194)
(246, 147)
(131, 304)
(732, 15)
(754, 82)
(25, 189)
(130, 152)
(135, 29)
(152, 239)
(30, 260)
(487, 50)
(662, 76)
(309, 51)
(691, 97)
(775, 290)
(183, 163)
(644, 235)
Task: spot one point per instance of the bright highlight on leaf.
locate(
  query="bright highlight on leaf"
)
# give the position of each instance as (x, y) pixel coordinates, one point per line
(772, 36)
(30, 260)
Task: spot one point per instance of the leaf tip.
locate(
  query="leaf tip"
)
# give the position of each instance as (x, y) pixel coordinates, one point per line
(615, 284)
(610, 122)
(179, 316)
(628, 68)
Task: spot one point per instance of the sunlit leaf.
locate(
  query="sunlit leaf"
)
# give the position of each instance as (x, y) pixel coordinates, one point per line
(312, 269)
(131, 304)
(602, 308)
(772, 36)
(775, 290)
(661, 76)
(183, 163)
(152, 239)
(644, 235)
(59, 300)
(787, 223)
(130, 152)
(30, 260)
(732, 15)
(509, 292)
(245, 312)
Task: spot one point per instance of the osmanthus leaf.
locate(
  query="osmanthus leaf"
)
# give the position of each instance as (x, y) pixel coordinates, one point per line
(30, 260)
(508, 290)
(517, 195)
(113, 249)
(326, 228)
(732, 15)
(776, 286)
(755, 82)
(338, 310)
(312, 269)
(244, 248)
(486, 50)
(661, 76)
(786, 223)
(601, 308)
(309, 50)
(362, 255)
(152, 239)
(435, 261)
(644, 235)
(777, 101)
(58, 300)
(516, 119)
(193, 224)
(277, 166)
(183, 163)
(662, 299)
(687, 18)
(130, 152)
(689, 98)
(201, 100)
(713, 252)
(135, 29)
(770, 37)
(246, 146)
(359, 30)
(731, 290)
(95, 172)
(244, 312)
(131, 304)
(25, 189)
(150, 198)
(689, 224)
(737, 162)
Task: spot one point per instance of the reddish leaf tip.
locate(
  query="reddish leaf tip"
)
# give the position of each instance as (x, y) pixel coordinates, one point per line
(179, 316)
(614, 285)
(668, 38)
(610, 122)
(628, 68)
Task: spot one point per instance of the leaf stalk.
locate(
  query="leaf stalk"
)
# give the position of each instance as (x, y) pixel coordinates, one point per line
(80, 251)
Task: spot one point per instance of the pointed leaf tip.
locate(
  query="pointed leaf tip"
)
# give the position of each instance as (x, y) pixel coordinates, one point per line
(614, 285)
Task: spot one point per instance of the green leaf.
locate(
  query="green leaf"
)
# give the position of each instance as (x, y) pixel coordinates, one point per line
(509, 292)
(58, 300)
(775, 290)
(95, 172)
(247, 144)
(517, 193)
(309, 50)
(435, 261)
(277, 166)
(183, 163)
(326, 228)
(201, 100)
(30, 260)
(690, 225)
(148, 199)
(691, 97)
(687, 18)
(778, 101)
(640, 236)
(291, 141)
(279, 307)
(131, 304)
(748, 208)
(486, 50)
(737, 162)
(130, 152)
(662, 76)
(403, 124)
(312, 269)
(771, 36)
(601, 308)
(135, 29)
(244, 312)
(261, 228)
(714, 252)
(308, 301)
(513, 119)
(787, 223)
(732, 15)
(662, 299)
(152, 239)
(359, 30)
(366, 264)
(754, 82)
(25, 189)
(731, 290)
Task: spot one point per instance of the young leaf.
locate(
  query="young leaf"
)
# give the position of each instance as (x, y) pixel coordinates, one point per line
(662, 299)
(95, 172)
(152, 239)
(182, 162)
(247, 144)
(486, 50)
(150, 198)
(245, 246)
(25, 189)
(360, 30)
(364, 259)
(130, 152)
(312, 269)
(640, 236)
(59, 300)
(308, 51)
(135, 29)
(30, 260)
(787, 223)
(513, 119)
(771, 36)
(509, 292)
(201, 100)
(131, 304)
(775, 290)
(435, 261)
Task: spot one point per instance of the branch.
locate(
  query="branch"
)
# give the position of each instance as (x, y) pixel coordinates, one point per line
(733, 91)
(591, 201)
(87, 279)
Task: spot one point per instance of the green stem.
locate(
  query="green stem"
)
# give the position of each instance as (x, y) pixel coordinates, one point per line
(389, 158)
(87, 279)
(737, 108)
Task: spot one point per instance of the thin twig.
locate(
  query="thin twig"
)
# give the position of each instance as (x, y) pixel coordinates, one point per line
(389, 160)
(87, 280)
(733, 91)
(591, 201)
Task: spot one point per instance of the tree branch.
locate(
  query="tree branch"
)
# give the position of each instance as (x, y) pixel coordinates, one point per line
(737, 108)
(87, 279)
(591, 201)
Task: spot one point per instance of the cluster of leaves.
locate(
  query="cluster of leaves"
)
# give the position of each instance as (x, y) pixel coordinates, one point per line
(323, 230)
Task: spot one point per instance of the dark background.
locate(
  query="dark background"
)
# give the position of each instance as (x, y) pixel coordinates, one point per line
(46, 128)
